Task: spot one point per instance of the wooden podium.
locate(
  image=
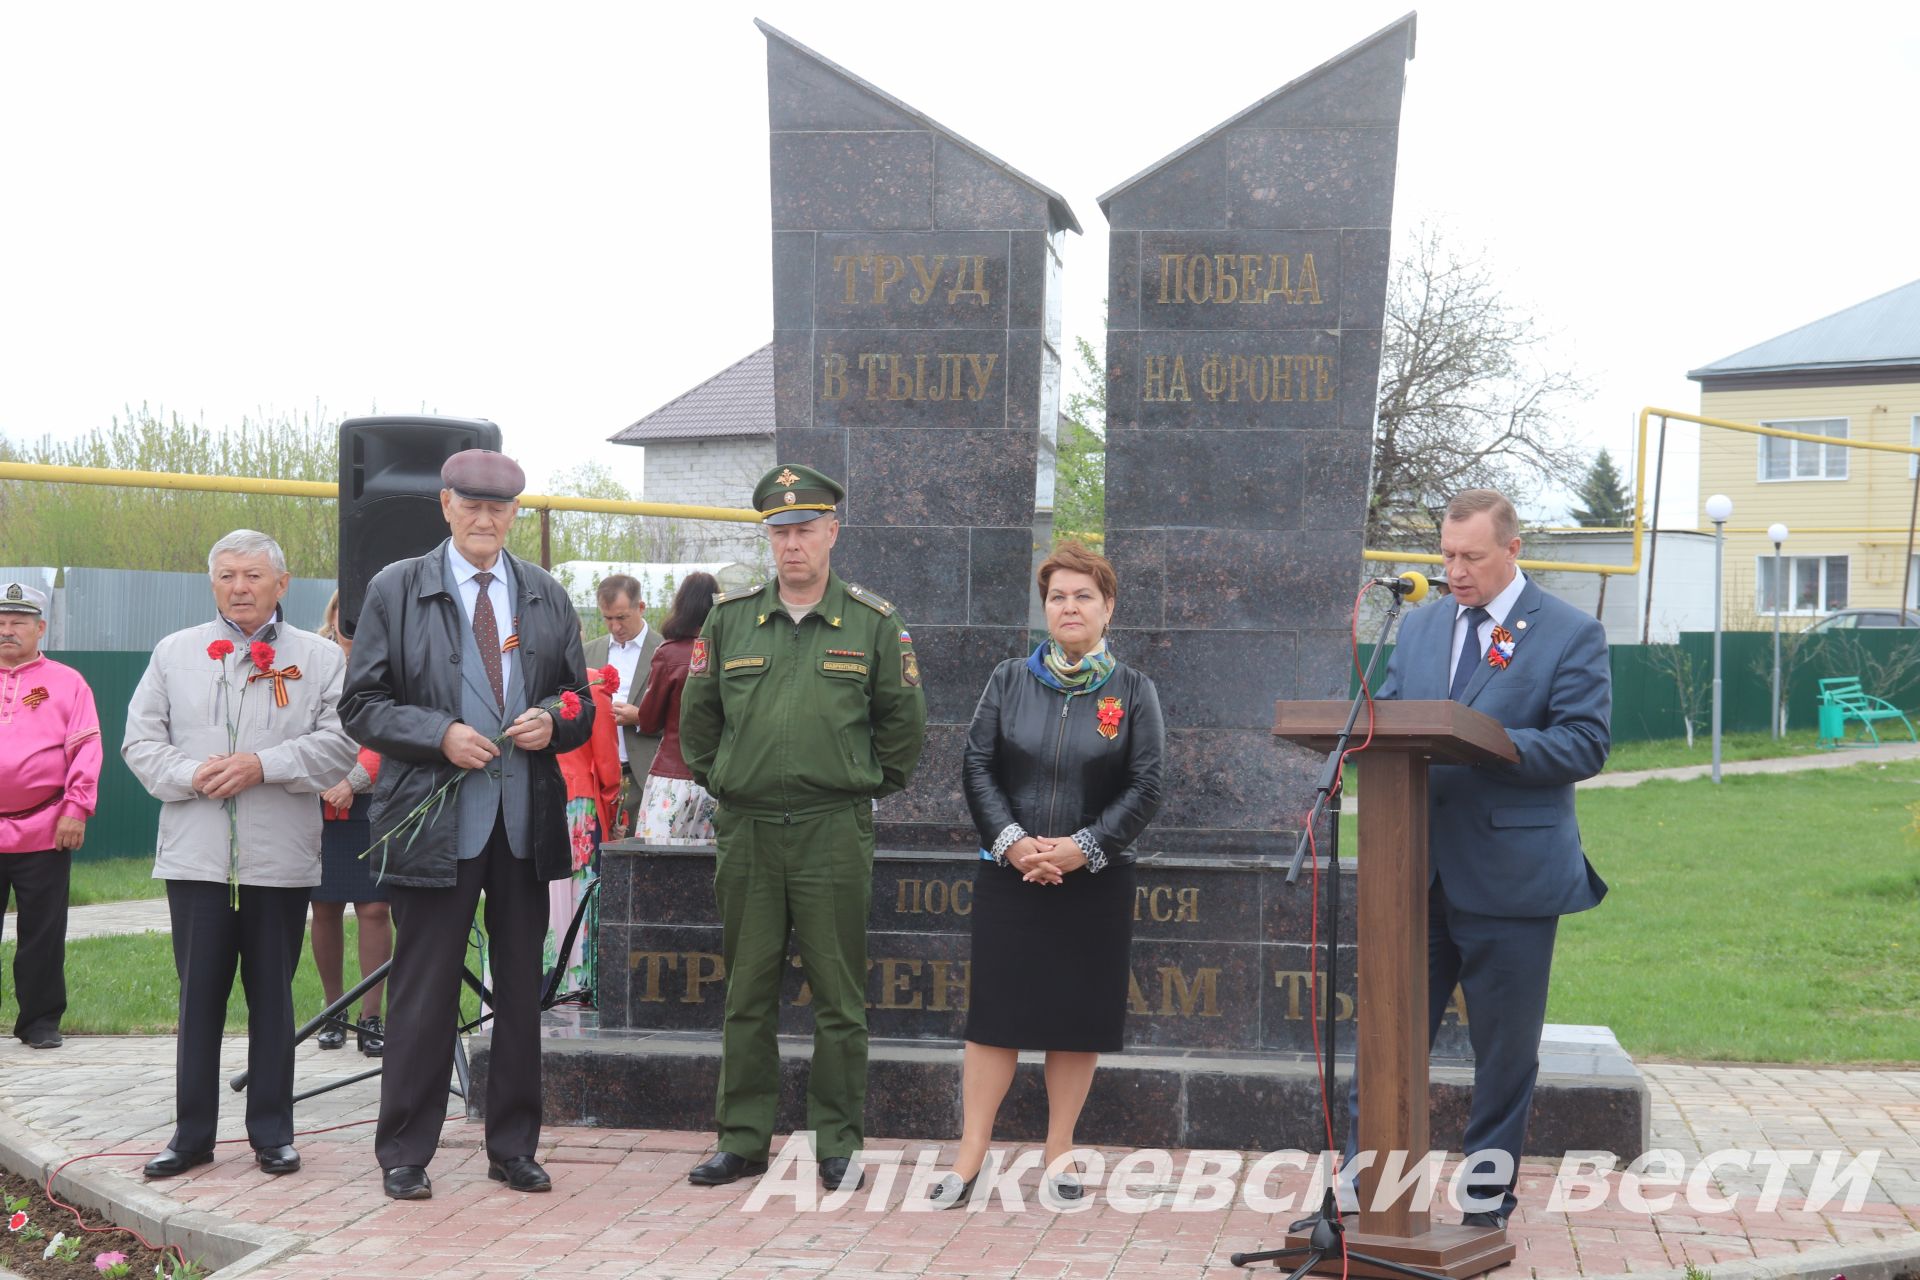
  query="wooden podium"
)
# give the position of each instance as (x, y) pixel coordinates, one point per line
(1392, 1005)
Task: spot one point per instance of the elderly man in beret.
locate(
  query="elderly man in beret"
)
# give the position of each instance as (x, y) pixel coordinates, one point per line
(458, 657)
(235, 729)
(49, 776)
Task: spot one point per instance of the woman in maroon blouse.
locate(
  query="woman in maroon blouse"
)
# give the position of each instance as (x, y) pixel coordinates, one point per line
(673, 807)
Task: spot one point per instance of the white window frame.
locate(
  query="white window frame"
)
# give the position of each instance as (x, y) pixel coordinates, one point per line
(1763, 569)
(1795, 447)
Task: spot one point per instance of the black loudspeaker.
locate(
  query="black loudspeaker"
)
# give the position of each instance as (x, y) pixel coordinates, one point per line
(390, 493)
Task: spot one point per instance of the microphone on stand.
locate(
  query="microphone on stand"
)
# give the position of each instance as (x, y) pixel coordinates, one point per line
(1411, 584)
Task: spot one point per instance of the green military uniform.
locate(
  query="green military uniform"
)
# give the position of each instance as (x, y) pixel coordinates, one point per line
(795, 727)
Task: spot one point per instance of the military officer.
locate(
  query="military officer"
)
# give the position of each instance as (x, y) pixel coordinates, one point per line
(802, 705)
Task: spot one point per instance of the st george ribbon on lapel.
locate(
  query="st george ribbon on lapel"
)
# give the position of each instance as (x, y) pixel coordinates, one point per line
(1469, 652)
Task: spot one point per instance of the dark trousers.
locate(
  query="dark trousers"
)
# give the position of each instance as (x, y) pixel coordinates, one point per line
(210, 939)
(1501, 965)
(37, 884)
(423, 1007)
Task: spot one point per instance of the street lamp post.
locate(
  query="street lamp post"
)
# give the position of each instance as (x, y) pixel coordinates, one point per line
(1778, 533)
(1719, 509)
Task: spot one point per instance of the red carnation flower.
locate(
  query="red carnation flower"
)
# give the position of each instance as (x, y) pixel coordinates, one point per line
(609, 678)
(569, 705)
(262, 654)
(219, 649)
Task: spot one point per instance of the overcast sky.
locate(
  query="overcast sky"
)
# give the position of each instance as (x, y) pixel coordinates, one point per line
(556, 216)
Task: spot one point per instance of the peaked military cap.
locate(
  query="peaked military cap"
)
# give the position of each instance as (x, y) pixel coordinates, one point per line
(483, 474)
(791, 493)
(18, 597)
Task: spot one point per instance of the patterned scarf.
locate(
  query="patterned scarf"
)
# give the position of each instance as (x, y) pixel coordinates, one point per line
(1049, 663)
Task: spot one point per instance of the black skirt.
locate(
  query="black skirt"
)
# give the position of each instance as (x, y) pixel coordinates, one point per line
(1050, 962)
(345, 876)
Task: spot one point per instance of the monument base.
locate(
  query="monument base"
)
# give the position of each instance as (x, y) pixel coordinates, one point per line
(1590, 1096)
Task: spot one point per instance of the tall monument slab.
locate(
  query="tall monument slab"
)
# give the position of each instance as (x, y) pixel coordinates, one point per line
(1246, 294)
(916, 285)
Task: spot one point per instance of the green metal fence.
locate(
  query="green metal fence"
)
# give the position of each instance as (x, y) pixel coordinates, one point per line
(1647, 691)
(127, 821)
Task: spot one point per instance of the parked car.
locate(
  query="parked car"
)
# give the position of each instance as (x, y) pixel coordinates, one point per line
(1847, 619)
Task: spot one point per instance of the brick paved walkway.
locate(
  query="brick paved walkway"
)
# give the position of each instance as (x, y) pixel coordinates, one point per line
(622, 1207)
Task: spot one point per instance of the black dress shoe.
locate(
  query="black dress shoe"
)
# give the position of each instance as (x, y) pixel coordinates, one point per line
(171, 1163)
(834, 1171)
(371, 1034)
(1493, 1220)
(520, 1173)
(277, 1160)
(722, 1167)
(406, 1182)
(332, 1036)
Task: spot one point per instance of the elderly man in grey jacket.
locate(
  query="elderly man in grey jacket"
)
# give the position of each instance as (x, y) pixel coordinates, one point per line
(235, 728)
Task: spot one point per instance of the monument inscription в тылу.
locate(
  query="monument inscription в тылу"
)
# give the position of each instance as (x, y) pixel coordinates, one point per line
(916, 290)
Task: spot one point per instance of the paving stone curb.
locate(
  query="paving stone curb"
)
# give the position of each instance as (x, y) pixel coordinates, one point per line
(1883, 1261)
(232, 1249)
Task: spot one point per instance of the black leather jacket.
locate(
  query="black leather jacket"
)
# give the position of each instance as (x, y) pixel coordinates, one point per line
(403, 690)
(1037, 757)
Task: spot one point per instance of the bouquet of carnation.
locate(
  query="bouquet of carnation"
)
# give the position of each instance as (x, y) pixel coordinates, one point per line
(408, 829)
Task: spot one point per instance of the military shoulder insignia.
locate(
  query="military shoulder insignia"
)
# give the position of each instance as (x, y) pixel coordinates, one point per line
(909, 669)
(699, 664)
(867, 598)
(727, 597)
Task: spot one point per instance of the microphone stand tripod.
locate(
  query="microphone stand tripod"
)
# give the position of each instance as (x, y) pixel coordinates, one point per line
(1324, 1240)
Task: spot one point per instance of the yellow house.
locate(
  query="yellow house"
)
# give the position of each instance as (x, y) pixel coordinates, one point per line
(1852, 376)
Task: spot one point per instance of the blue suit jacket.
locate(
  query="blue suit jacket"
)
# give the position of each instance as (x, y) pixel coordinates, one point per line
(1502, 838)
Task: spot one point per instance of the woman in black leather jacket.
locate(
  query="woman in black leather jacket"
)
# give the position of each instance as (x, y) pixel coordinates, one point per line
(1062, 767)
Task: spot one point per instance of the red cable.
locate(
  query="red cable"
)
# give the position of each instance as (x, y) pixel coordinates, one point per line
(174, 1249)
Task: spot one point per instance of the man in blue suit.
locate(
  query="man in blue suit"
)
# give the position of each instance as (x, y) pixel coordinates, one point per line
(1504, 856)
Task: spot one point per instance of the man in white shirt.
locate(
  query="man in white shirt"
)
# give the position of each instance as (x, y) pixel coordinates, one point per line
(628, 646)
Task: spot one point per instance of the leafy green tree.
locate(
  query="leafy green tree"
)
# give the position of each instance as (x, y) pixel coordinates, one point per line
(1605, 502)
(1080, 469)
(96, 526)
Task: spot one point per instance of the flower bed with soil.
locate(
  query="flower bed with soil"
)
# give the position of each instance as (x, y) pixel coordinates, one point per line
(44, 1242)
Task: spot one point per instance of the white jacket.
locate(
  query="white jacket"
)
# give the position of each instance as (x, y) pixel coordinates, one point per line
(179, 718)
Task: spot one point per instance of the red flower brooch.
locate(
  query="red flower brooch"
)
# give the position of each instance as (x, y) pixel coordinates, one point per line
(1500, 650)
(1107, 717)
(262, 654)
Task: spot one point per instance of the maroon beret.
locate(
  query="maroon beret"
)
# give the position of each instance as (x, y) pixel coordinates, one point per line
(483, 474)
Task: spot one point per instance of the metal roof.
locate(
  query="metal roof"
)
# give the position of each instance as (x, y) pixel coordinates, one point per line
(737, 401)
(1882, 331)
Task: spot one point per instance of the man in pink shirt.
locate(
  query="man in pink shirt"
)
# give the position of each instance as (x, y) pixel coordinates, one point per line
(49, 777)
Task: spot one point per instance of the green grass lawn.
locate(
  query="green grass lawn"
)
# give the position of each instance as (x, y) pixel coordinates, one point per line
(113, 880)
(1669, 753)
(1770, 919)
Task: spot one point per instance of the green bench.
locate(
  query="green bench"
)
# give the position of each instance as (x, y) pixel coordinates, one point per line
(1842, 700)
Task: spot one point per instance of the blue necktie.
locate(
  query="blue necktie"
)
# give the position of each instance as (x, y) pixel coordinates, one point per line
(1470, 654)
